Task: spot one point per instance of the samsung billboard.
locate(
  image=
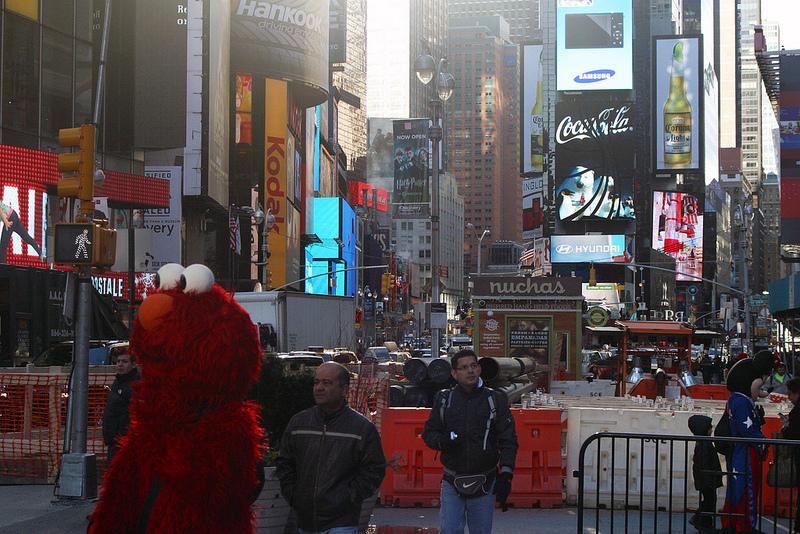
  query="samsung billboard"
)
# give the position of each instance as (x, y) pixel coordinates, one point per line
(594, 45)
(589, 249)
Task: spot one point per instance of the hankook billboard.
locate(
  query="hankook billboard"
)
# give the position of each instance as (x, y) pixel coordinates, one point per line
(283, 39)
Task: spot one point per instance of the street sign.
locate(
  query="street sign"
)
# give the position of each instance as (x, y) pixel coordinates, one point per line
(438, 315)
(73, 244)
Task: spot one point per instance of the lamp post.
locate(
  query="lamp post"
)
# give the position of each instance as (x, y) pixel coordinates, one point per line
(427, 69)
(265, 221)
(740, 223)
(486, 233)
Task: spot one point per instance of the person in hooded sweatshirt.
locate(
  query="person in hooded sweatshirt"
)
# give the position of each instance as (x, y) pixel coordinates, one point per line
(707, 473)
(744, 380)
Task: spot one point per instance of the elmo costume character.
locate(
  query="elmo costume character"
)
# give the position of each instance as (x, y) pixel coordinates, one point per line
(188, 463)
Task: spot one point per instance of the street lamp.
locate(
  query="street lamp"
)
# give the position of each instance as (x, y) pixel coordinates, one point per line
(485, 233)
(445, 84)
(266, 221)
(740, 223)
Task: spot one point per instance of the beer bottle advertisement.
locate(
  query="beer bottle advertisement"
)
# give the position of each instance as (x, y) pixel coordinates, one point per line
(533, 151)
(678, 94)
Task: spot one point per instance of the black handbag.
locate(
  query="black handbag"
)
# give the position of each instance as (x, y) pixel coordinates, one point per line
(470, 485)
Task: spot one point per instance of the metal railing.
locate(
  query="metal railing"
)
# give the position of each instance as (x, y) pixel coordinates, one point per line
(643, 483)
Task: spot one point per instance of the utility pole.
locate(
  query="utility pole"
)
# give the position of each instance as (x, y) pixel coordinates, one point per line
(435, 134)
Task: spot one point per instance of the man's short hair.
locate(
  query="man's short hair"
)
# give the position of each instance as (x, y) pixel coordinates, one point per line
(128, 354)
(793, 385)
(344, 374)
(463, 353)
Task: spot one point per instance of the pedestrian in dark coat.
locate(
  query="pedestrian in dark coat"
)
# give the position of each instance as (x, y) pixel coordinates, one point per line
(791, 430)
(116, 418)
(707, 473)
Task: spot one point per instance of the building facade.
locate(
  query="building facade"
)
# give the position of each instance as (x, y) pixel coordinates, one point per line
(749, 102)
(484, 121)
(522, 15)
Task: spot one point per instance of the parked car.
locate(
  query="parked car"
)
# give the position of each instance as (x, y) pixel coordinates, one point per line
(377, 355)
(300, 361)
(100, 353)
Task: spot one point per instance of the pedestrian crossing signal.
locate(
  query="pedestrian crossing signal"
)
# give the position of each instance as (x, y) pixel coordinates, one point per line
(85, 244)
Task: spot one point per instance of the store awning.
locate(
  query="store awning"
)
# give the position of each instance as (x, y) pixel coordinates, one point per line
(605, 329)
(655, 327)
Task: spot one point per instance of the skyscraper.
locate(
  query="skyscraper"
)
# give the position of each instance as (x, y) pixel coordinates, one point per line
(522, 16)
(750, 91)
(351, 81)
(397, 32)
(483, 121)
(728, 75)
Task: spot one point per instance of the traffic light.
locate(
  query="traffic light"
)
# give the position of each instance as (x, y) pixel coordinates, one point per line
(78, 167)
(104, 252)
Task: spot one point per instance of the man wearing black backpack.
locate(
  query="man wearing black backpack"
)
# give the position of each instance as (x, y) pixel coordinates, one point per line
(472, 426)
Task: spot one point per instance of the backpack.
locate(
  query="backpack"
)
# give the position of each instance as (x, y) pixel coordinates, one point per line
(723, 430)
(444, 403)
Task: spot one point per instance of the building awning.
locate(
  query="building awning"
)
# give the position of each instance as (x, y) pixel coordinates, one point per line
(604, 329)
(708, 333)
(655, 327)
(39, 169)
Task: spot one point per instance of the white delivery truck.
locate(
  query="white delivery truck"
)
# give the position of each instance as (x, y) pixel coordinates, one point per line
(299, 320)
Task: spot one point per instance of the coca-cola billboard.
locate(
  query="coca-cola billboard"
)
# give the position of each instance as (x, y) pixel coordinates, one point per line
(595, 146)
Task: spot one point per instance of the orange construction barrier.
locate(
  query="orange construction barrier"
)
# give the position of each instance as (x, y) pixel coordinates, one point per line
(784, 504)
(709, 392)
(538, 476)
(33, 414)
(414, 475)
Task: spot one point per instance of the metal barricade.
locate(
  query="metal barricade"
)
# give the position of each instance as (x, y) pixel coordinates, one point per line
(631, 482)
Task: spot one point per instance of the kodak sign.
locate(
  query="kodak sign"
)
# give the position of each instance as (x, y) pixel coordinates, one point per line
(275, 104)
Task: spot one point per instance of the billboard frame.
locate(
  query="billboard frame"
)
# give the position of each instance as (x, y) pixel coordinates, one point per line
(700, 111)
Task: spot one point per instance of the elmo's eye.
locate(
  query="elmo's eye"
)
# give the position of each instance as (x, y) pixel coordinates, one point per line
(197, 278)
(168, 276)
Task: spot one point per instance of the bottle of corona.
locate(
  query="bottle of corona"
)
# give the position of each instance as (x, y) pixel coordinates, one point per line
(677, 115)
(537, 126)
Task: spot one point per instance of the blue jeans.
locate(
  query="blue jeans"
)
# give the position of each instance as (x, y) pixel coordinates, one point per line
(456, 511)
(336, 530)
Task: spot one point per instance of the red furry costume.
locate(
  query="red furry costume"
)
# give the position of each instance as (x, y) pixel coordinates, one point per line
(193, 442)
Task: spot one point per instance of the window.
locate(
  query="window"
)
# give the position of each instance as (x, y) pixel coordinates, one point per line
(20, 74)
(421, 253)
(56, 82)
(58, 14)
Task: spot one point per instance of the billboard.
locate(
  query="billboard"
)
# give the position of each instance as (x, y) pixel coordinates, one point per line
(595, 146)
(532, 208)
(357, 190)
(678, 232)
(283, 39)
(165, 224)
(789, 117)
(411, 168)
(711, 95)
(275, 169)
(678, 103)
(380, 153)
(338, 31)
(532, 116)
(590, 249)
(594, 45)
(335, 225)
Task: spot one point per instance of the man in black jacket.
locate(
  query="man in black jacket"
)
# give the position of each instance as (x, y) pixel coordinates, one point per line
(707, 473)
(330, 458)
(116, 415)
(472, 426)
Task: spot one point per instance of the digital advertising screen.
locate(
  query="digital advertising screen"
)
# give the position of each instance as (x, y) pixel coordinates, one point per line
(711, 95)
(532, 116)
(678, 232)
(532, 208)
(594, 45)
(677, 107)
(590, 249)
(595, 145)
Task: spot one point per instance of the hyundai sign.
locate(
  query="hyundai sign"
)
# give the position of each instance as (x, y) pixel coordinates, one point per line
(594, 45)
(589, 249)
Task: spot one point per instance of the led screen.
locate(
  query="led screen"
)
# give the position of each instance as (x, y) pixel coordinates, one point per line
(594, 40)
(678, 232)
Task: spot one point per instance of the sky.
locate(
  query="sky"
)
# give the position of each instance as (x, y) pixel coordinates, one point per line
(785, 12)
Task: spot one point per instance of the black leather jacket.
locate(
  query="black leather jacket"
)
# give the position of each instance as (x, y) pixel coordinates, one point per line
(466, 414)
(328, 464)
(116, 417)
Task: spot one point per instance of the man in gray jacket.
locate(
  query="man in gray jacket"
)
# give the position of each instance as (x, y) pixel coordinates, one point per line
(330, 458)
